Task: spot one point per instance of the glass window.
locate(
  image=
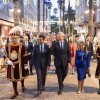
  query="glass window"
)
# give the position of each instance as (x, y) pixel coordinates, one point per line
(6, 1)
(85, 3)
(99, 2)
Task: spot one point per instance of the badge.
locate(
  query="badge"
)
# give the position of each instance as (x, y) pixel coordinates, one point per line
(14, 55)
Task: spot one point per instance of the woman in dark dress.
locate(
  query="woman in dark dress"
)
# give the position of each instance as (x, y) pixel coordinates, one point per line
(97, 74)
(82, 64)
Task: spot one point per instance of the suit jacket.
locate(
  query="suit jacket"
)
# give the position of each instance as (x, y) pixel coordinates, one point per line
(90, 48)
(29, 49)
(43, 58)
(61, 55)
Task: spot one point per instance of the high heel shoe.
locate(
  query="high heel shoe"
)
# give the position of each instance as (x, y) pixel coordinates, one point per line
(79, 92)
(82, 91)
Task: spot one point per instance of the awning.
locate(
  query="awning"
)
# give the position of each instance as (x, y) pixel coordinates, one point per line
(2, 22)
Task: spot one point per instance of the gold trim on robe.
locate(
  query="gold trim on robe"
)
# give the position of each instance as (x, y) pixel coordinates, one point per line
(17, 62)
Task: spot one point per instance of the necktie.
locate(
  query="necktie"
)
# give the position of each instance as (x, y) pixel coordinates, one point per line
(61, 45)
(41, 48)
(26, 45)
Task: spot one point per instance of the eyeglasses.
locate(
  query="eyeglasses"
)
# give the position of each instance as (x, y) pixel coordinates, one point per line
(14, 34)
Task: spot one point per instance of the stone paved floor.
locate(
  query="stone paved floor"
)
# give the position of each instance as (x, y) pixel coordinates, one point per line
(70, 87)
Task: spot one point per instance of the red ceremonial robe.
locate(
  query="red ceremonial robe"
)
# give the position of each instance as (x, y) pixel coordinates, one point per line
(18, 55)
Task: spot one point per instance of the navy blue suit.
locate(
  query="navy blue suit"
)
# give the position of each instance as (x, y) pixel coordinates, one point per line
(40, 61)
(61, 59)
(90, 48)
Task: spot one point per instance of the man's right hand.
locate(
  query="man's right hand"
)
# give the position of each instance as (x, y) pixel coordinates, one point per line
(9, 62)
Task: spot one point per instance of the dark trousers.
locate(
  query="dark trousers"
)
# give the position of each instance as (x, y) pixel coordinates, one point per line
(61, 74)
(15, 86)
(41, 76)
(30, 64)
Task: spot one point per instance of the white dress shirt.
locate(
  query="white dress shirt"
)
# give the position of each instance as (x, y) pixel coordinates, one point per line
(42, 48)
(26, 44)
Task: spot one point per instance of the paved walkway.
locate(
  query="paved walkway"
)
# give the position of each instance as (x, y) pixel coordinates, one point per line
(91, 87)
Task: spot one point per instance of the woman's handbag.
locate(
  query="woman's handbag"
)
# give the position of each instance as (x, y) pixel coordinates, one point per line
(88, 73)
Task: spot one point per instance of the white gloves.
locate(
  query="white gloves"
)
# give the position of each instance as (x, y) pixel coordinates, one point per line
(26, 67)
(10, 63)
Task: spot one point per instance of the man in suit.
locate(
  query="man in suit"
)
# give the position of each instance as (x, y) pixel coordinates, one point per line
(29, 47)
(41, 62)
(89, 46)
(61, 54)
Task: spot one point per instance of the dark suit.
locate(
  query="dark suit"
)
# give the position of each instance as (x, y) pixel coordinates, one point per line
(30, 50)
(40, 61)
(90, 48)
(61, 60)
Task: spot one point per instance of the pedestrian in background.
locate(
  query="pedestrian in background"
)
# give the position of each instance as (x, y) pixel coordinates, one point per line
(73, 48)
(82, 64)
(29, 47)
(97, 73)
(89, 46)
(77, 41)
(3, 40)
(48, 41)
(95, 45)
(81, 37)
(34, 40)
(2, 49)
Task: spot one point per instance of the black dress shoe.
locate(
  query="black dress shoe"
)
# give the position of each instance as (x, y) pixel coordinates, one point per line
(99, 91)
(39, 93)
(23, 89)
(31, 73)
(63, 85)
(14, 96)
(60, 92)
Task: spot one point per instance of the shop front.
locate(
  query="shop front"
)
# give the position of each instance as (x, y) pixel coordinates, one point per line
(5, 27)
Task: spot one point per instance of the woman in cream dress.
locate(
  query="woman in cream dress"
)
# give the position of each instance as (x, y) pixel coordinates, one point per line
(1, 56)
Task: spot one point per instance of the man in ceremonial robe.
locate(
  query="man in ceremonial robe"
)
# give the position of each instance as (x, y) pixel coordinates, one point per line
(17, 69)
